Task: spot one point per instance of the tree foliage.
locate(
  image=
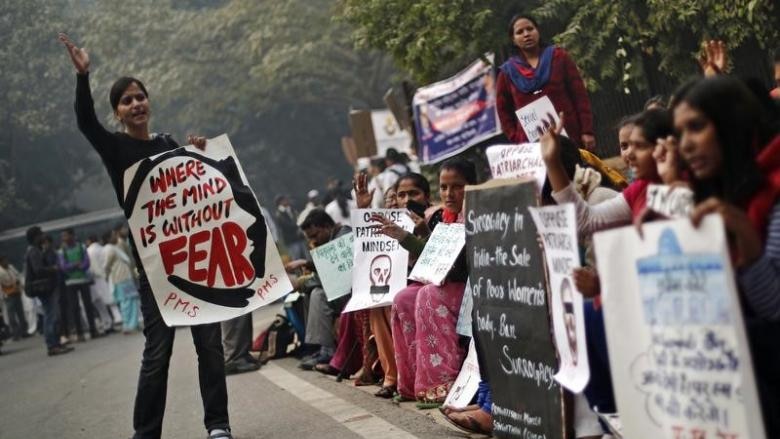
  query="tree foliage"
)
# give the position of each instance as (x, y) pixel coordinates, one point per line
(278, 77)
(615, 42)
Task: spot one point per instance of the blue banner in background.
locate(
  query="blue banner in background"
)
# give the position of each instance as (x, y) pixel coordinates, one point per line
(452, 115)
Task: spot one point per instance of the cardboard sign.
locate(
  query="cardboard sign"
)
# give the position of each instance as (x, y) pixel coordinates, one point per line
(440, 253)
(538, 117)
(517, 161)
(201, 236)
(668, 201)
(557, 226)
(452, 115)
(380, 261)
(678, 351)
(466, 384)
(334, 266)
(511, 312)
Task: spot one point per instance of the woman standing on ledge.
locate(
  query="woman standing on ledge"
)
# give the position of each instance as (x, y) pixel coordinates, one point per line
(535, 71)
(118, 151)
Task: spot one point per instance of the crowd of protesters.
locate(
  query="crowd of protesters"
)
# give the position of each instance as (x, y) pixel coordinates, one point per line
(718, 135)
(71, 291)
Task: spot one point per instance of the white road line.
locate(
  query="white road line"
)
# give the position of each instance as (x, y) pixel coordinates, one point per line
(358, 420)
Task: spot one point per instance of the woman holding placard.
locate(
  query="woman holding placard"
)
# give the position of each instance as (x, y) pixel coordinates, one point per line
(732, 152)
(119, 151)
(424, 317)
(534, 71)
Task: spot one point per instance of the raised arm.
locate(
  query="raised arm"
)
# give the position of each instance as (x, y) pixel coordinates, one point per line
(86, 118)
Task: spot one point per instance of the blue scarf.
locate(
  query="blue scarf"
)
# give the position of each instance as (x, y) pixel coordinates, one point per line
(526, 78)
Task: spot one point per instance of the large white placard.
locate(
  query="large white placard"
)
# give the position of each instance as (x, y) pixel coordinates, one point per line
(379, 272)
(538, 117)
(440, 253)
(334, 266)
(557, 226)
(201, 236)
(678, 351)
(517, 161)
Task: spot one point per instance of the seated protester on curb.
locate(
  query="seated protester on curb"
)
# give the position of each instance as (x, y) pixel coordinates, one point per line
(625, 127)
(319, 228)
(649, 127)
(733, 157)
(409, 187)
(422, 313)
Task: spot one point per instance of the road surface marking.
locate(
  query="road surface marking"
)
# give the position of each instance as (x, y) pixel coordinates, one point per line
(358, 420)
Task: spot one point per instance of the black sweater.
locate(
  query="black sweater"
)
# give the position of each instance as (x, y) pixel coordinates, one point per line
(117, 150)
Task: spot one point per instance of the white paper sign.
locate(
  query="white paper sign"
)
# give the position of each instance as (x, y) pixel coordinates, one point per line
(463, 327)
(557, 226)
(517, 161)
(668, 201)
(388, 134)
(678, 351)
(334, 266)
(538, 115)
(380, 266)
(441, 251)
(466, 384)
(201, 236)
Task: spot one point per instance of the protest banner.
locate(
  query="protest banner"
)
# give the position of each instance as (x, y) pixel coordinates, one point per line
(517, 161)
(512, 325)
(678, 350)
(557, 226)
(672, 202)
(379, 272)
(201, 236)
(538, 117)
(467, 383)
(440, 253)
(457, 113)
(334, 266)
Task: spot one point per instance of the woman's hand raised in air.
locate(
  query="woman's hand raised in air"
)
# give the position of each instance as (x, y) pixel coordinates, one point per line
(550, 143)
(363, 197)
(78, 55)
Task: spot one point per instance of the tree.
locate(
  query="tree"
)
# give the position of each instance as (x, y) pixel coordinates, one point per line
(615, 42)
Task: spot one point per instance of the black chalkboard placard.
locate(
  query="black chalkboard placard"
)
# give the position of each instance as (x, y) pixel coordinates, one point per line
(511, 316)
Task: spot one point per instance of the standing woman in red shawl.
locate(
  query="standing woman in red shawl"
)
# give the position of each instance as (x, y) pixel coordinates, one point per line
(535, 71)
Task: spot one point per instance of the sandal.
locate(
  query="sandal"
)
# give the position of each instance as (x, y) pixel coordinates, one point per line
(423, 405)
(385, 392)
(326, 369)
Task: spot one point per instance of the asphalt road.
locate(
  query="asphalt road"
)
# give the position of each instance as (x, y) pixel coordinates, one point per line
(89, 393)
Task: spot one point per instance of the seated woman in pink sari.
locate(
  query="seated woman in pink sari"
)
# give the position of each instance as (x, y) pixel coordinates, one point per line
(428, 354)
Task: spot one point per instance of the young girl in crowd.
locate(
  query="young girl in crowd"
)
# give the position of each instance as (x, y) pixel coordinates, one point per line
(120, 150)
(732, 154)
(537, 70)
(427, 350)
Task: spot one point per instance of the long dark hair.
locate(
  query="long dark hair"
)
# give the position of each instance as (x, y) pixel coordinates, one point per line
(741, 127)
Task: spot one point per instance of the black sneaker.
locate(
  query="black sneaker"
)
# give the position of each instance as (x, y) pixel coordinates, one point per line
(59, 350)
(241, 366)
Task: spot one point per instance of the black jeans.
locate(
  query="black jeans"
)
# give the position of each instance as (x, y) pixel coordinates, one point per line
(153, 379)
(72, 309)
